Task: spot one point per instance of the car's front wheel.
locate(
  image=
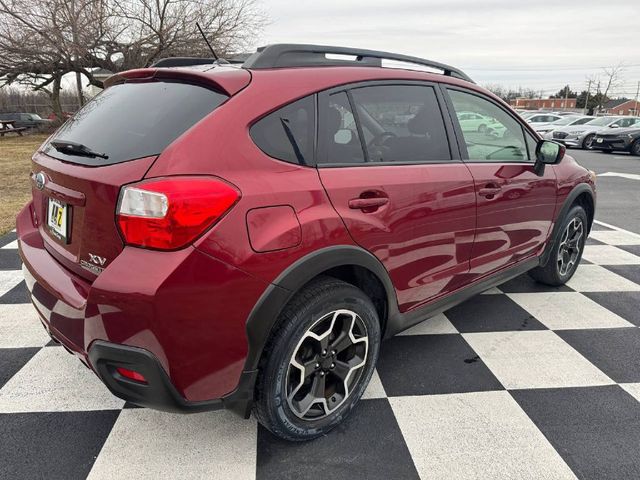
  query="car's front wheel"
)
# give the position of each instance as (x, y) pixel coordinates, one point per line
(587, 143)
(319, 360)
(635, 148)
(566, 251)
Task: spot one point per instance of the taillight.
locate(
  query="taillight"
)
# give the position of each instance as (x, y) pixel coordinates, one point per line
(169, 213)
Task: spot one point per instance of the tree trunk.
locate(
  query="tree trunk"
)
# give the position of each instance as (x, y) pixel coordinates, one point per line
(55, 100)
(79, 89)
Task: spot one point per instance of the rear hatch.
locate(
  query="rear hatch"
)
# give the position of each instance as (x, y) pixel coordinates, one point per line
(112, 141)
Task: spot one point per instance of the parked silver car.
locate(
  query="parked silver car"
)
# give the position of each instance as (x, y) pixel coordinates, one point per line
(581, 136)
(565, 121)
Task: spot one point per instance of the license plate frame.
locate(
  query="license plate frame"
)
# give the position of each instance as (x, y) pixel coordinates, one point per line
(58, 219)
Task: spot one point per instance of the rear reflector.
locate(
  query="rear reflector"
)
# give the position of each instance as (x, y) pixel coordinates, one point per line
(169, 213)
(131, 375)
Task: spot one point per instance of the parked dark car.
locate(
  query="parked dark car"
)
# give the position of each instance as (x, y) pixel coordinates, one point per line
(245, 236)
(621, 139)
(26, 120)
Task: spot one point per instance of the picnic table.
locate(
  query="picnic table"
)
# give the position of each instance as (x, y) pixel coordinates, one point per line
(7, 126)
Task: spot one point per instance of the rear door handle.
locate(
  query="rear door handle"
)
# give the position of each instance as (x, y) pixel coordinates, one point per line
(367, 203)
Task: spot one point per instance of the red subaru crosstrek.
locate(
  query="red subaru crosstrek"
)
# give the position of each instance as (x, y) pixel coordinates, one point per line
(204, 235)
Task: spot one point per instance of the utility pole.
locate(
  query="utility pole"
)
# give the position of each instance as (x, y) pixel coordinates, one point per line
(635, 107)
(566, 98)
(586, 102)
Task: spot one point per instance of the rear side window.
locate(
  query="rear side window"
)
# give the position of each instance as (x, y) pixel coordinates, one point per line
(401, 123)
(134, 120)
(288, 133)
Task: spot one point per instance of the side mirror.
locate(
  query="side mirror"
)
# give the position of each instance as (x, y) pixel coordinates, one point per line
(548, 153)
(343, 136)
(615, 125)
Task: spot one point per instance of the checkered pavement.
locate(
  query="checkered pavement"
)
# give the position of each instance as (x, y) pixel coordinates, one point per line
(524, 381)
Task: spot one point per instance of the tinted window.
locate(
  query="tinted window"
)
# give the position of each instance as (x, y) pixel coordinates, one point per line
(339, 133)
(500, 138)
(401, 123)
(134, 120)
(287, 134)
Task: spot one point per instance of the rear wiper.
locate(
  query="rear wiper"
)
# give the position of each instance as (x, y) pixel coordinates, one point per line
(73, 148)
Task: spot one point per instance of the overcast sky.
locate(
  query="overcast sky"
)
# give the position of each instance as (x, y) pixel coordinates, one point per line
(542, 44)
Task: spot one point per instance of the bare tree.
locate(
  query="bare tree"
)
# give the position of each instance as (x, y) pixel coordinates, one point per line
(612, 76)
(42, 41)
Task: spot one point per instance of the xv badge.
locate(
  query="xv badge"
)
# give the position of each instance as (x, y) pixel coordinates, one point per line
(97, 259)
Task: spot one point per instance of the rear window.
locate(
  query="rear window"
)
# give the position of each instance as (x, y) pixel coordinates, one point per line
(135, 120)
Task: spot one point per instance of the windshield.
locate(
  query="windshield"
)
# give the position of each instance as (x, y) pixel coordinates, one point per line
(134, 120)
(601, 121)
(35, 116)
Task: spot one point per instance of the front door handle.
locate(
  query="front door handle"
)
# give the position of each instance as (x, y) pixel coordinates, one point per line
(371, 204)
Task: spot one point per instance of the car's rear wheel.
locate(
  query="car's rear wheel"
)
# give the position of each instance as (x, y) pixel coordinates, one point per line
(587, 143)
(319, 360)
(482, 128)
(635, 148)
(566, 251)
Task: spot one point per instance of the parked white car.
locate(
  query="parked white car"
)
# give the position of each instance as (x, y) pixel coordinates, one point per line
(565, 121)
(581, 136)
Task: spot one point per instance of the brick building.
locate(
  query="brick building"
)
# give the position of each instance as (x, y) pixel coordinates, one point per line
(544, 103)
(621, 107)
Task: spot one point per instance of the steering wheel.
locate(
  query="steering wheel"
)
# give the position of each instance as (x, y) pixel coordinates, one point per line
(377, 140)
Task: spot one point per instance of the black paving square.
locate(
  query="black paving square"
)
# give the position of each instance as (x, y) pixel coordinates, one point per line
(432, 364)
(597, 228)
(10, 260)
(491, 313)
(11, 361)
(52, 445)
(18, 294)
(624, 304)
(630, 272)
(593, 241)
(596, 430)
(369, 445)
(526, 284)
(615, 351)
(8, 238)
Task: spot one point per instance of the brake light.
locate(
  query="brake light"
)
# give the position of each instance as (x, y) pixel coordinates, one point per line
(170, 213)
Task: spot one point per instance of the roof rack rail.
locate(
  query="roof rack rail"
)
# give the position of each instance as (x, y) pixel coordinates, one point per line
(282, 55)
(187, 62)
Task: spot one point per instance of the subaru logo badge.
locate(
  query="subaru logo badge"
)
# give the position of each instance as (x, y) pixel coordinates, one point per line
(40, 180)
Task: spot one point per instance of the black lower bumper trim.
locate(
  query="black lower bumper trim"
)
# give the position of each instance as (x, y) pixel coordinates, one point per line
(158, 392)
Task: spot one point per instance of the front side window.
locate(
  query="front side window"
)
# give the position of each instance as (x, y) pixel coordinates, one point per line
(288, 133)
(499, 138)
(401, 123)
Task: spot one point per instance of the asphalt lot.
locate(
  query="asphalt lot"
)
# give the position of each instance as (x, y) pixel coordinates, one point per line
(618, 196)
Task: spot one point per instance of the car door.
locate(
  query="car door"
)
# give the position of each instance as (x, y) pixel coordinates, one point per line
(515, 205)
(385, 161)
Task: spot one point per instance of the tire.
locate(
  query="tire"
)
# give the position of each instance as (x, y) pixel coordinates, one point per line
(635, 148)
(339, 313)
(586, 143)
(560, 268)
(482, 128)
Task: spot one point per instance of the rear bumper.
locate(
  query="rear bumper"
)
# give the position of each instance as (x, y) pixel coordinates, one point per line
(184, 312)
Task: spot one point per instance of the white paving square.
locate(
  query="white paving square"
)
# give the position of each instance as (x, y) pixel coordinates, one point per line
(11, 245)
(55, 381)
(147, 444)
(609, 255)
(436, 325)
(534, 359)
(594, 278)
(482, 435)
(375, 389)
(21, 327)
(9, 279)
(568, 310)
(633, 389)
(615, 237)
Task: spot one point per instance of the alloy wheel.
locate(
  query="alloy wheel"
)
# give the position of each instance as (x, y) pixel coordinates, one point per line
(570, 245)
(326, 364)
